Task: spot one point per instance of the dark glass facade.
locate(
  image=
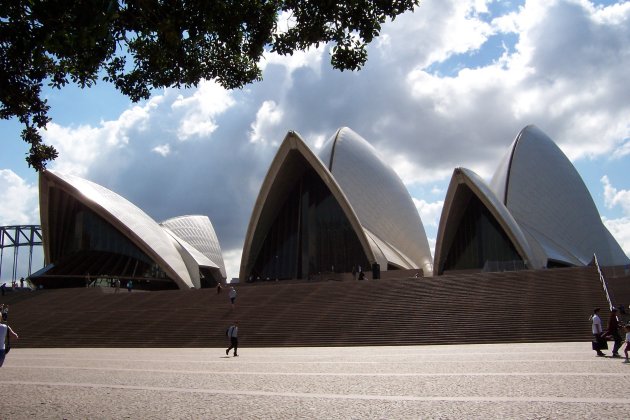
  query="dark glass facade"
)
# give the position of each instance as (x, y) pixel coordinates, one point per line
(83, 242)
(310, 235)
(479, 239)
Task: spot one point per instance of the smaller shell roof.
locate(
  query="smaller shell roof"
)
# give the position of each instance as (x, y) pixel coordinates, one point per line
(379, 198)
(197, 232)
(464, 182)
(130, 220)
(547, 197)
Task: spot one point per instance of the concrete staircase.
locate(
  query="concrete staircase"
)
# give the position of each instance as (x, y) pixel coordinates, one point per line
(526, 306)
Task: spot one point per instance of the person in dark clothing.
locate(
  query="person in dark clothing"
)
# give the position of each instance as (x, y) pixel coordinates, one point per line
(597, 332)
(233, 334)
(613, 331)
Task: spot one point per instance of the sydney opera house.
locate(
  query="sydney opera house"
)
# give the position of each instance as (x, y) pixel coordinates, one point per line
(535, 213)
(90, 232)
(340, 210)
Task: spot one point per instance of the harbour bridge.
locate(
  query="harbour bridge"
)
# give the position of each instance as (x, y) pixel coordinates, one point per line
(16, 238)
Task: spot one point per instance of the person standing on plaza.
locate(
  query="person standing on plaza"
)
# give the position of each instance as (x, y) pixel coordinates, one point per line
(5, 330)
(129, 285)
(232, 334)
(597, 331)
(613, 331)
(232, 296)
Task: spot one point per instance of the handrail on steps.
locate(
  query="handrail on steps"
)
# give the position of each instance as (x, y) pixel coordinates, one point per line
(603, 281)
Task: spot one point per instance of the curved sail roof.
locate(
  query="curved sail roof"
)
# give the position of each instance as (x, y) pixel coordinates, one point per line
(124, 216)
(288, 162)
(549, 200)
(197, 232)
(465, 182)
(380, 199)
(370, 194)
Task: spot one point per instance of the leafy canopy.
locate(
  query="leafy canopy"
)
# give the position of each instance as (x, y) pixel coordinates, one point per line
(139, 45)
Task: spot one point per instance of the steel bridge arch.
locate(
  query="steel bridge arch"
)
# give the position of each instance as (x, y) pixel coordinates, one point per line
(16, 237)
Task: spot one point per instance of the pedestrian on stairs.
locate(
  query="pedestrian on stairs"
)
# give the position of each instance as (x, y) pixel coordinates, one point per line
(232, 296)
(232, 334)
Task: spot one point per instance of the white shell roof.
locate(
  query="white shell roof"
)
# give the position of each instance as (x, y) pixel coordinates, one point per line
(547, 197)
(380, 199)
(128, 219)
(464, 182)
(197, 232)
(275, 186)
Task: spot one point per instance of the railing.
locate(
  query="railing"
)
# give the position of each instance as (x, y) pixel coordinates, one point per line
(603, 281)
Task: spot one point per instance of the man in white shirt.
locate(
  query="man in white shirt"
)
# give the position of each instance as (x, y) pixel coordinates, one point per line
(4, 330)
(233, 334)
(597, 330)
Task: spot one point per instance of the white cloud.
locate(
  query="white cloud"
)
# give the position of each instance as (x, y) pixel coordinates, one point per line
(429, 212)
(232, 260)
(201, 109)
(620, 229)
(437, 190)
(20, 200)
(435, 32)
(614, 197)
(540, 82)
(84, 146)
(413, 173)
(623, 149)
(432, 242)
(268, 117)
(163, 150)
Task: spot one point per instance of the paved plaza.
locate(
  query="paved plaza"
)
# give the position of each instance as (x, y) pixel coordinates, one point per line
(534, 381)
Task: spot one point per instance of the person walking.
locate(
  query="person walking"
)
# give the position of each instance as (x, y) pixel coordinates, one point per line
(597, 332)
(129, 285)
(613, 331)
(232, 333)
(5, 330)
(5, 313)
(232, 296)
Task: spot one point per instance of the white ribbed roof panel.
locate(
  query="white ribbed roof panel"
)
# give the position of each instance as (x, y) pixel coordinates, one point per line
(546, 196)
(198, 232)
(379, 198)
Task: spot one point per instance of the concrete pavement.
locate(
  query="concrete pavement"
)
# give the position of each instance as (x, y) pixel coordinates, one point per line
(533, 381)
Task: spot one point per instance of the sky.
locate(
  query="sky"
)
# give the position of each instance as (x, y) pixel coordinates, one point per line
(449, 85)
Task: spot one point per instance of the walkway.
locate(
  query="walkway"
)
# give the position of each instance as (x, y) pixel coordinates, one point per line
(543, 380)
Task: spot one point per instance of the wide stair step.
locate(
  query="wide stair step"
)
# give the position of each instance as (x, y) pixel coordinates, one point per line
(526, 306)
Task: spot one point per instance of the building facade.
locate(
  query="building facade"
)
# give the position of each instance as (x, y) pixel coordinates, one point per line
(337, 212)
(536, 212)
(90, 232)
